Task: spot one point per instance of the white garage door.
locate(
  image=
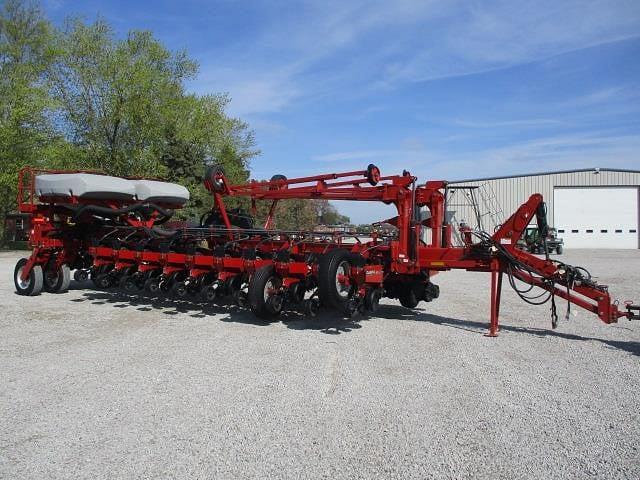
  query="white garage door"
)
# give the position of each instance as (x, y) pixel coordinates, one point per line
(597, 217)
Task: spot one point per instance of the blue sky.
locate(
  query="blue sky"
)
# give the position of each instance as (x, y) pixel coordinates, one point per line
(446, 89)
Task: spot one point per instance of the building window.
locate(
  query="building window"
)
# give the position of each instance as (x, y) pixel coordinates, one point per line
(604, 231)
(589, 231)
(561, 230)
(618, 231)
(633, 230)
(575, 231)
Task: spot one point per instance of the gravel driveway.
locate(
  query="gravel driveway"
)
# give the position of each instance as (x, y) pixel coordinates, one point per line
(102, 385)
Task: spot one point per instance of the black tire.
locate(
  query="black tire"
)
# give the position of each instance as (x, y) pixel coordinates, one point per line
(103, 281)
(122, 282)
(128, 284)
(152, 285)
(80, 276)
(260, 302)
(277, 187)
(209, 293)
(179, 289)
(57, 281)
(373, 174)
(210, 181)
(312, 307)
(33, 284)
(296, 292)
(240, 297)
(409, 298)
(559, 249)
(137, 279)
(372, 299)
(331, 265)
(99, 273)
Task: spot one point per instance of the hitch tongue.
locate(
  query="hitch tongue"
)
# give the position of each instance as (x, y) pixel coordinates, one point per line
(633, 311)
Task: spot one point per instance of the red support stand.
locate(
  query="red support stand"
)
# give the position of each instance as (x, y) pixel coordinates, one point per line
(496, 290)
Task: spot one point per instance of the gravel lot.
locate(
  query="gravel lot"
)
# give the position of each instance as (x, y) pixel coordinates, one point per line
(100, 385)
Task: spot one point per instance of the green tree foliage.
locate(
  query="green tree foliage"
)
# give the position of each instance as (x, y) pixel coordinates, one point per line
(294, 214)
(115, 97)
(82, 97)
(26, 132)
(125, 108)
(327, 214)
(199, 134)
(300, 214)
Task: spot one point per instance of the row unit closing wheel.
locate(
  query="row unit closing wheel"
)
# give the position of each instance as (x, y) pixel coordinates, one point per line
(372, 299)
(101, 278)
(264, 295)
(152, 284)
(32, 285)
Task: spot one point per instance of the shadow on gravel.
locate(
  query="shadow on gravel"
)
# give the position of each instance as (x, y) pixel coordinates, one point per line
(631, 347)
(231, 313)
(325, 322)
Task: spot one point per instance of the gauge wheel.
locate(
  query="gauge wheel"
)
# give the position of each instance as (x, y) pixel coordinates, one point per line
(33, 284)
(57, 280)
(408, 297)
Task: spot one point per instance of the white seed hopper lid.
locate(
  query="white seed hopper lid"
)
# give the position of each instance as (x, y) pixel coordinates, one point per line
(83, 185)
(161, 192)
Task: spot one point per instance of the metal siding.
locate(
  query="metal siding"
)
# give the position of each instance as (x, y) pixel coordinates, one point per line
(512, 192)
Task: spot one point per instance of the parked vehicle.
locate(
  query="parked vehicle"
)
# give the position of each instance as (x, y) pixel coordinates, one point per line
(531, 241)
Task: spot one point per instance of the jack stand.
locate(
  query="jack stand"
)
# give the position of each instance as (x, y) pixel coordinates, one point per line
(496, 290)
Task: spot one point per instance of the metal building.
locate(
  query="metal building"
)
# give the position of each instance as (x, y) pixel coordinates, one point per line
(591, 208)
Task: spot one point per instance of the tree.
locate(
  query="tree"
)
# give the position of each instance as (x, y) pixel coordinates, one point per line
(198, 134)
(26, 131)
(294, 214)
(123, 105)
(327, 214)
(115, 96)
(83, 98)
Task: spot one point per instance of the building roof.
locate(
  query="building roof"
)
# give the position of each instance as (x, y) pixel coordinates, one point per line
(594, 170)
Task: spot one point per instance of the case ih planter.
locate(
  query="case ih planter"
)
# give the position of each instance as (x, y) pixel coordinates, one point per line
(110, 229)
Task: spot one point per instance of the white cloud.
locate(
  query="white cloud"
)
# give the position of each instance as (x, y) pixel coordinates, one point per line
(555, 152)
(251, 91)
(328, 47)
(532, 122)
(261, 95)
(354, 155)
(600, 96)
(485, 36)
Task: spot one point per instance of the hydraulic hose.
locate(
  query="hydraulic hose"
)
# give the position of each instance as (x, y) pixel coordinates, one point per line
(114, 212)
